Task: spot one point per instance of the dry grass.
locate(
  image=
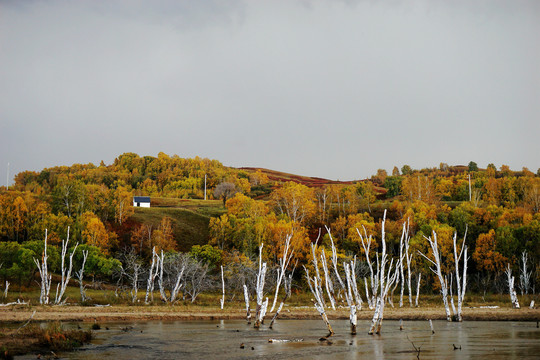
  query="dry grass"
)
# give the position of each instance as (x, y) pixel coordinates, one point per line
(35, 338)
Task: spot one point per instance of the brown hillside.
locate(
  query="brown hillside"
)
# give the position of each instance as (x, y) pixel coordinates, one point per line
(310, 181)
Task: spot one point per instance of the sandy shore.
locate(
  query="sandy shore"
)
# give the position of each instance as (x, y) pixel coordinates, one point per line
(18, 313)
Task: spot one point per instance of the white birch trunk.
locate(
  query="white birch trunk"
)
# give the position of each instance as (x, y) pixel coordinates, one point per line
(349, 296)
(248, 310)
(276, 315)
(385, 278)
(259, 289)
(44, 274)
(160, 263)
(438, 271)
(402, 276)
(511, 290)
(461, 287)
(152, 276)
(222, 300)
(80, 276)
(354, 285)
(525, 276)
(328, 281)
(283, 263)
(408, 258)
(177, 284)
(418, 289)
(315, 287)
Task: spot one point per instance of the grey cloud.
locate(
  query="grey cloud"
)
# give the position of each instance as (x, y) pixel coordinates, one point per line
(322, 88)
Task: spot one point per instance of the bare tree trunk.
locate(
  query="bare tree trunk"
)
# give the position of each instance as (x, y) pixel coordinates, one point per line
(328, 280)
(366, 244)
(438, 271)
(248, 310)
(402, 276)
(7, 288)
(418, 289)
(315, 286)
(154, 268)
(44, 274)
(385, 279)
(460, 286)
(283, 264)
(80, 276)
(349, 296)
(511, 290)
(66, 273)
(222, 300)
(277, 313)
(259, 313)
(525, 276)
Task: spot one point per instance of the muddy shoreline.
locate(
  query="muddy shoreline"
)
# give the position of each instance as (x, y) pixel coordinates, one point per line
(76, 313)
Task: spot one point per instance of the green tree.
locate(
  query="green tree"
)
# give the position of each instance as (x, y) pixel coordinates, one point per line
(393, 185)
(473, 166)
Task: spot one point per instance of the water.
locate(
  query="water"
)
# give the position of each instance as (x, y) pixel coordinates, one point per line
(221, 339)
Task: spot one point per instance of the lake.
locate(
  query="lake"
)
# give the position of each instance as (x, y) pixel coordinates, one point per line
(222, 339)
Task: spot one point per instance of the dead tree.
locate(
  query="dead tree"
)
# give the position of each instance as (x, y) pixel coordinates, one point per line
(329, 285)
(80, 277)
(7, 288)
(385, 279)
(283, 264)
(66, 272)
(511, 289)
(461, 283)
(438, 271)
(287, 287)
(417, 289)
(351, 292)
(261, 275)
(44, 275)
(525, 276)
(131, 270)
(173, 276)
(366, 245)
(248, 310)
(196, 281)
(222, 300)
(317, 273)
(404, 245)
(315, 287)
(152, 274)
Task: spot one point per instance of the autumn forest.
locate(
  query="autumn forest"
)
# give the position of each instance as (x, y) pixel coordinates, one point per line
(217, 216)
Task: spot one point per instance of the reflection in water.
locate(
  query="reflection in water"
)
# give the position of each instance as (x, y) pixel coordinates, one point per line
(221, 340)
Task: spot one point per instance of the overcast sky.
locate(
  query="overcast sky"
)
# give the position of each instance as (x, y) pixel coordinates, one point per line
(335, 89)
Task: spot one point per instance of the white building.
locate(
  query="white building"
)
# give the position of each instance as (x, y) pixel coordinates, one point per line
(141, 201)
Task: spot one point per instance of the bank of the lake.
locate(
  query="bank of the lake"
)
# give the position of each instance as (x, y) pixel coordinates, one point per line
(21, 313)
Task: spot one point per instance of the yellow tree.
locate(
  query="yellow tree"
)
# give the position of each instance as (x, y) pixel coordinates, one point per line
(19, 215)
(243, 206)
(94, 232)
(297, 201)
(163, 237)
(486, 256)
(123, 203)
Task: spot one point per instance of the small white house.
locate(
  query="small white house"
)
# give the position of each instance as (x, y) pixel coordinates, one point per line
(141, 201)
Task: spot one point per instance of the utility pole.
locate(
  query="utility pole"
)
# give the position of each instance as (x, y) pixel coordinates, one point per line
(7, 177)
(204, 186)
(470, 195)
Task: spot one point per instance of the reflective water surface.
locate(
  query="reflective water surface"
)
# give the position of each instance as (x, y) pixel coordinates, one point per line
(222, 339)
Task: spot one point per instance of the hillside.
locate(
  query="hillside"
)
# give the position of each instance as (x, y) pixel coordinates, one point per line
(190, 218)
(313, 182)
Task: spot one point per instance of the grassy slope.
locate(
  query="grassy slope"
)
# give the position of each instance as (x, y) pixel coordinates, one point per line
(190, 218)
